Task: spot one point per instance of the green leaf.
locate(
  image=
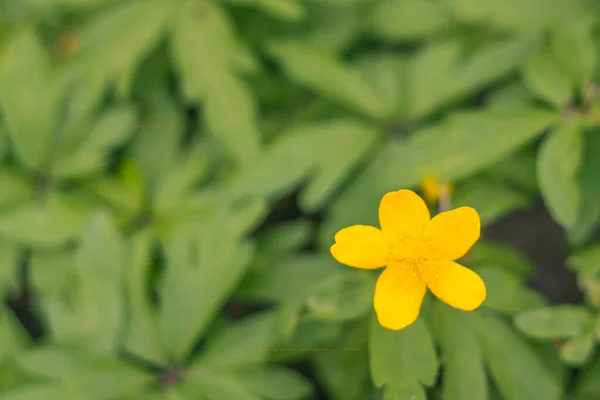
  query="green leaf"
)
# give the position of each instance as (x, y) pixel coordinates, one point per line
(13, 337)
(50, 224)
(506, 292)
(231, 115)
(292, 276)
(577, 350)
(586, 261)
(558, 322)
(207, 28)
(574, 47)
(212, 385)
(14, 190)
(240, 344)
(486, 65)
(283, 9)
(558, 163)
(40, 391)
(286, 237)
(204, 267)
(510, 358)
(28, 88)
(89, 157)
(345, 373)
(94, 317)
(9, 268)
(116, 40)
(321, 71)
(95, 377)
(544, 77)
(408, 20)
(461, 145)
(342, 296)
(306, 150)
(430, 69)
(589, 206)
(275, 382)
(141, 337)
(491, 199)
(587, 385)
(404, 358)
(464, 376)
(488, 252)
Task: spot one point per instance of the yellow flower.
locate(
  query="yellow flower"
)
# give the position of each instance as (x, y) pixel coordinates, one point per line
(432, 190)
(418, 252)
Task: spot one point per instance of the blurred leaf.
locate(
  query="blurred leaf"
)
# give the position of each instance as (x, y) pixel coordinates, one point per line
(430, 70)
(90, 156)
(51, 271)
(291, 276)
(96, 377)
(386, 73)
(308, 150)
(404, 358)
(40, 391)
(577, 350)
(461, 145)
(544, 77)
(284, 9)
(510, 358)
(464, 376)
(558, 163)
(506, 292)
(286, 237)
(212, 385)
(239, 344)
(141, 338)
(13, 338)
(204, 27)
(587, 384)
(321, 71)
(345, 373)
(27, 88)
(231, 115)
(49, 224)
(586, 260)
(341, 297)
(14, 189)
(408, 19)
(275, 383)
(574, 47)
(9, 268)
(117, 39)
(180, 177)
(204, 268)
(590, 285)
(518, 169)
(488, 252)
(513, 96)
(95, 314)
(491, 199)
(558, 322)
(589, 207)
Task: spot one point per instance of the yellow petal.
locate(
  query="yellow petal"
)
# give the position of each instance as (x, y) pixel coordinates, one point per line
(398, 297)
(454, 284)
(403, 213)
(360, 246)
(431, 189)
(452, 233)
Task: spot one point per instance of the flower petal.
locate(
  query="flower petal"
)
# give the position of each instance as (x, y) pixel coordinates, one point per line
(454, 284)
(360, 246)
(398, 297)
(403, 213)
(452, 233)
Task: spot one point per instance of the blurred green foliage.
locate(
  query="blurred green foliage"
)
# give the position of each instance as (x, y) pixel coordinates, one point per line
(172, 173)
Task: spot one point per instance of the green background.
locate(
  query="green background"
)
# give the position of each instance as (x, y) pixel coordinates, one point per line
(172, 173)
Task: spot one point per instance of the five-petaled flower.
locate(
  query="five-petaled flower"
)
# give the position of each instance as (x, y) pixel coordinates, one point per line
(418, 252)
